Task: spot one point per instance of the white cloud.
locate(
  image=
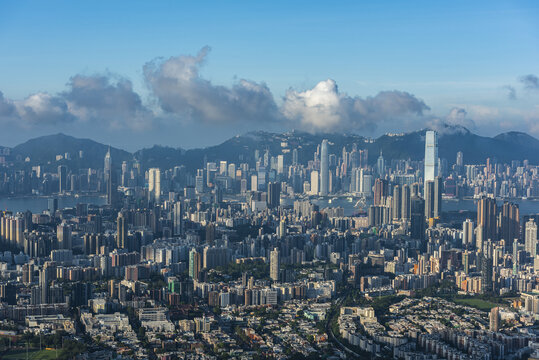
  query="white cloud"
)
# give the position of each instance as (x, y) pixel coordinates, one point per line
(181, 91)
(108, 99)
(324, 108)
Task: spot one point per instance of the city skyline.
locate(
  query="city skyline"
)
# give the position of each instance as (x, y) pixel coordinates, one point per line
(164, 92)
(269, 180)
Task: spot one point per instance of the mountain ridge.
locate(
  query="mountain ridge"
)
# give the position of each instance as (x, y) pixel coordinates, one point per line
(512, 145)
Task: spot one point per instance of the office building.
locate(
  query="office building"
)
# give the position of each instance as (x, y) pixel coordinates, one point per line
(324, 169)
(417, 218)
(405, 202)
(431, 156)
(273, 195)
(62, 179)
(108, 177)
(397, 203)
(429, 199)
(315, 179)
(154, 185)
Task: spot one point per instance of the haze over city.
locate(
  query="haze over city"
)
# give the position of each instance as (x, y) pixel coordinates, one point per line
(281, 180)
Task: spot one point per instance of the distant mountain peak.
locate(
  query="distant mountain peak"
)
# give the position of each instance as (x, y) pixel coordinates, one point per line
(518, 137)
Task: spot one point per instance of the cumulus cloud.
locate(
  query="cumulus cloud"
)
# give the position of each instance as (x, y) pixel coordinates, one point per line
(180, 90)
(7, 109)
(43, 109)
(106, 98)
(324, 108)
(98, 98)
(530, 81)
(459, 117)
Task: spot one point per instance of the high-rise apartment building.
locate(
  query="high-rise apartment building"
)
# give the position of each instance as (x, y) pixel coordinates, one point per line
(380, 191)
(121, 231)
(494, 319)
(486, 218)
(63, 235)
(530, 238)
(468, 232)
(178, 218)
(509, 222)
(274, 264)
(195, 264)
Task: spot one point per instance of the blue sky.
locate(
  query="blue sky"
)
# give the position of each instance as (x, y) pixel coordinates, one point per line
(448, 56)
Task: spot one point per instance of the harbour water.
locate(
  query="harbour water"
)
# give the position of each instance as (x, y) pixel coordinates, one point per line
(36, 204)
(526, 207)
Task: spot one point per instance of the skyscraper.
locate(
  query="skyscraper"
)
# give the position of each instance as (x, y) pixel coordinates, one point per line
(460, 159)
(380, 191)
(121, 231)
(195, 264)
(397, 203)
(324, 169)
(486, 275)
(509, 228)
(62, 178)
(274, 264)
(178, 218)
(494, 317)
(380, 165)
(429, 199)
(273, 197)
(405, 203)
(467, 232)
(315, 179)
(63, 234)
(431, 156)
(44, 279)
(107, 172)
(437, 205)
(530, 238)
(154, 185)
(417, 218)
(486, 218)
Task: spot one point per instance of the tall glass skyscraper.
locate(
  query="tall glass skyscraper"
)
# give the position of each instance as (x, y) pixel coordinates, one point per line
(107, 171)
(431, 156)
(324, 168)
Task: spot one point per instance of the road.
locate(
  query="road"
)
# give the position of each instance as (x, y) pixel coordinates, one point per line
(329, 330)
